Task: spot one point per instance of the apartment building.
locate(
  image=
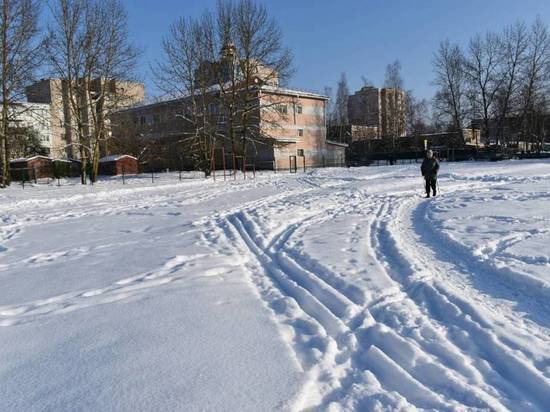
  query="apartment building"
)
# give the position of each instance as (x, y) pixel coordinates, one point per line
(380, 108)
(292, 122)
(55, 94)
(35, 116)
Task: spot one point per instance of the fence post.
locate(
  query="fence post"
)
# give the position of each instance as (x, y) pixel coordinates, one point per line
(304, 159)
(223, 164)
(290, 166)
(213, 163)
(152, 176)
(123, 179)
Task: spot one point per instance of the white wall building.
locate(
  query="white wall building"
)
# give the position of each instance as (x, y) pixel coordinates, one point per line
(36, 116)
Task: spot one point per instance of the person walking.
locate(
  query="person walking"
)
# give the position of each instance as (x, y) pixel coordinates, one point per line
(429, 169)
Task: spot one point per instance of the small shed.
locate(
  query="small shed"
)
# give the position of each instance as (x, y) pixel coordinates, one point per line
(66, 168)
(118, 165)
(36, 167)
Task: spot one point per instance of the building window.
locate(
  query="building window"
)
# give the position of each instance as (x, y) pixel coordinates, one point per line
(299, 109)
(301, 132)
(300, 152)
(282, 108)
(148, 119)
(156, 118)
(213, 108)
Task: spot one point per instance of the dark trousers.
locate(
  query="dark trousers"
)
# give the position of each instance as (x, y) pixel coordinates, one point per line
(431, 182)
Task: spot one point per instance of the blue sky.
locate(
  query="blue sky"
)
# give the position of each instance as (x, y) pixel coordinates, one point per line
(352, 36)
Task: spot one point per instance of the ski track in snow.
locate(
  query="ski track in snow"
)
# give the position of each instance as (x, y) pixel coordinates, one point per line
(421, 342)
(421, 328)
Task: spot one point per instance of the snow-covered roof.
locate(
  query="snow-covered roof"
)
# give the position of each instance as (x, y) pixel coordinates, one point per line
(293, 92)
(114, 158)
(332, 142)
(26, 159)
(168, 99)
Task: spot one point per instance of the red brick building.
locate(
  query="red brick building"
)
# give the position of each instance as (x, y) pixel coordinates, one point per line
(118, 165)
(36, 167)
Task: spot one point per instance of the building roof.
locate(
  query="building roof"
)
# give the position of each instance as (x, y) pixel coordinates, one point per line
(114, 158)
(293, 92)
(26, 159)
(334, 143)
(266, 88)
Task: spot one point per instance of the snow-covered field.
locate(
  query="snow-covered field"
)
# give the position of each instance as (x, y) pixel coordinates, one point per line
(337, 289)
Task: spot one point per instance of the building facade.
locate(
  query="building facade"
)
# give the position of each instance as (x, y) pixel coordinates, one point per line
(54, 93)
(35, 116)
(382, 109)
(292, 123)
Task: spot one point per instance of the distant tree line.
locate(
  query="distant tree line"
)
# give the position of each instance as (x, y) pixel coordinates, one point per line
(500, 80)
(87, 47)
(19, 58)
(85, 42)
(498, 83)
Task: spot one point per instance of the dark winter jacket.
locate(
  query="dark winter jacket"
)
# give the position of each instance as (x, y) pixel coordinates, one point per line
(429, 168)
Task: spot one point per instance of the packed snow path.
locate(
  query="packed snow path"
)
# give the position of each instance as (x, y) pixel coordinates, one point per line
(339, 289)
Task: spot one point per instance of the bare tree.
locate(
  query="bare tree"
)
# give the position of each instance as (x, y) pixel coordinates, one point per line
(416, 115)
(18, 59)
(263, 61)
(340, 113)
(88, 50)
(220, 65)
(393, 77)
(113, 74)
(330, 104)
(366, 82)
(394, 101)
(66, 45)
(513, 46)
(534, 88)
(483, 77)
(450, 101)
(187, 72)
